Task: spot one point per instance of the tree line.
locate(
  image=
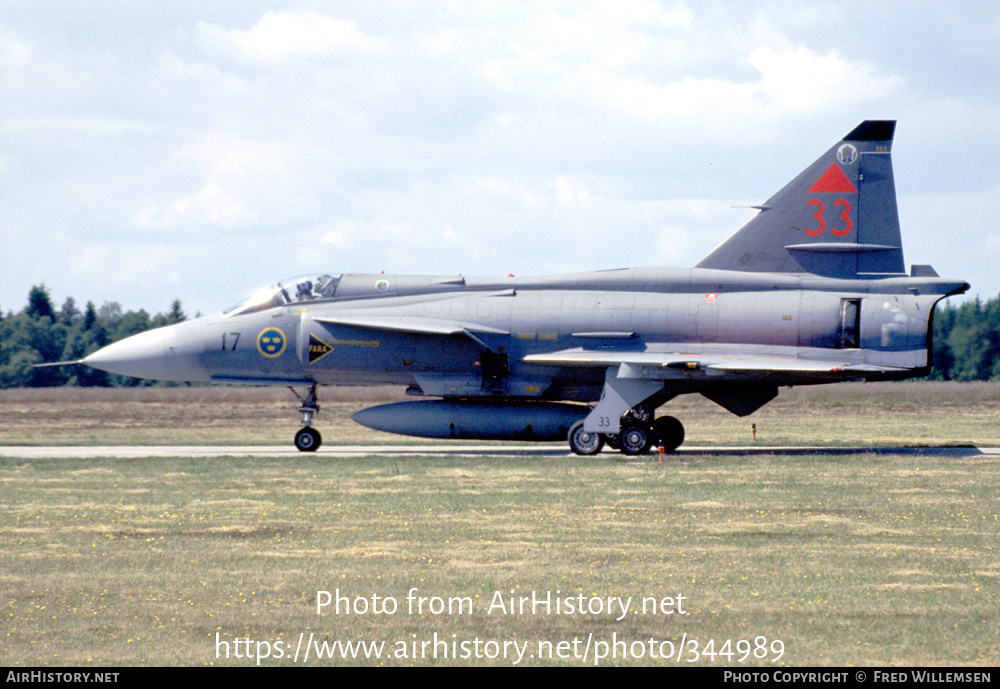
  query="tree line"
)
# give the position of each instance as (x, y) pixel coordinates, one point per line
(40, 333)
(966, 340)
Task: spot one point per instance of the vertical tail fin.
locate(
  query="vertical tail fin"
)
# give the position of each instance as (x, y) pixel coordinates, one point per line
(837, 218)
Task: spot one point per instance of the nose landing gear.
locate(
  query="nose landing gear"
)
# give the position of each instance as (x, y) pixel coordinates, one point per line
(308, 439)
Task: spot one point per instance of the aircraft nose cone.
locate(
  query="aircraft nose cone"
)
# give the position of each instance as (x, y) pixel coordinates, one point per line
(159, 354)
(141, 356)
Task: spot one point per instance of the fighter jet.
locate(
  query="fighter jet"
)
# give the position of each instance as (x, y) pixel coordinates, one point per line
(812, 290)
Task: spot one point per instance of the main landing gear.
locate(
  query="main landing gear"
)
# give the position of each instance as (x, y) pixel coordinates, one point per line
(308, 438)
(636, 437)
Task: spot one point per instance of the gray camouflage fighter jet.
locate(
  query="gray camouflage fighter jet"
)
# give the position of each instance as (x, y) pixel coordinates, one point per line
(812, 290)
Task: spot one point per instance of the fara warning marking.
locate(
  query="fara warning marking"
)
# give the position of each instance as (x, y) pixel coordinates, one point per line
(317, 349)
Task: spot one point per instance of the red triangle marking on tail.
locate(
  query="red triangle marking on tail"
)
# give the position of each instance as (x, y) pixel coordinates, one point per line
(833, 180)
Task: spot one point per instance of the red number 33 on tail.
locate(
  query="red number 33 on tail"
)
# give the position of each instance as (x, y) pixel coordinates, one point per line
(845, 215)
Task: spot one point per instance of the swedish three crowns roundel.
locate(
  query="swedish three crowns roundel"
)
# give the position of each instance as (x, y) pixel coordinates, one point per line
(271, 342)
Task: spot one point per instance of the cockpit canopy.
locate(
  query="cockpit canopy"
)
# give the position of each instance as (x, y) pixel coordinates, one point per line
(296, 289)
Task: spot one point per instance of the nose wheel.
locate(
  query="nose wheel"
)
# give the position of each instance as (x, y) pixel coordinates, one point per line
(308, 439)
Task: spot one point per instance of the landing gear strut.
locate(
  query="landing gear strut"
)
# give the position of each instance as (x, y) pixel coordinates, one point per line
(308, 438)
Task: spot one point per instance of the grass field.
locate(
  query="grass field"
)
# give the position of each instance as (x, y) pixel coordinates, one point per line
(870, 414)
(867, 559)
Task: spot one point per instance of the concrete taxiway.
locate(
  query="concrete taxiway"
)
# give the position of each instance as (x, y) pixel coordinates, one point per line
(448, 450)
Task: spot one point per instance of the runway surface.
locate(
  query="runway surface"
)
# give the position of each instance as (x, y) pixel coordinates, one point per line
(447, 450)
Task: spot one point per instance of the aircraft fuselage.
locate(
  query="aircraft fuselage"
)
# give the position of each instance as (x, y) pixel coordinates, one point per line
(879, 322)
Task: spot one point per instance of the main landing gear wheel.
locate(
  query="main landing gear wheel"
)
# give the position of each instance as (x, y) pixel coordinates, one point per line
(308, 439)
(634, 440)
(670, 431)
(584, 442)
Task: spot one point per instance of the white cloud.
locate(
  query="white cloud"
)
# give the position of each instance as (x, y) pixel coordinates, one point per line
(246, 182)
(339, 235)
(476, 136)
(283, 36)
(572, 192)
(13, 51)
(799, 80)
(211, 206)
(676, 73)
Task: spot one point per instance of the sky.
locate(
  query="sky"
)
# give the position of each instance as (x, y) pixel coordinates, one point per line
(200, 150)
